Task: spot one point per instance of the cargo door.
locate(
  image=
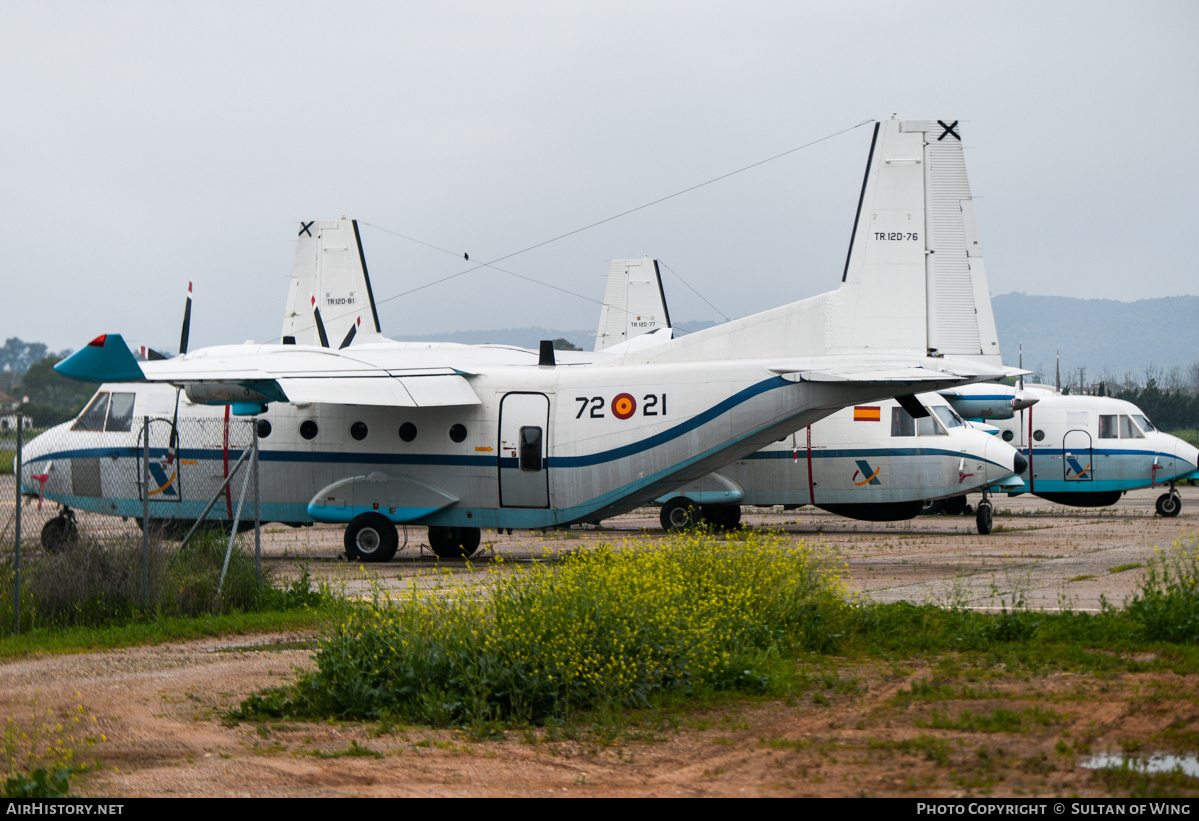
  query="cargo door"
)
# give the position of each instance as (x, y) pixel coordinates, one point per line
(524, 434)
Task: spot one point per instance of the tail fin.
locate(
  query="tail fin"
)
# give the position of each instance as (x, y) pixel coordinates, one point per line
(330, 265)
(634, 302)
(915, 249)
(913, 283)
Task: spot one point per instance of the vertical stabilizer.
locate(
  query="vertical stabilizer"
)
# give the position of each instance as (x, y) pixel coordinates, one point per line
(913, 282)
(915, 248)
(329, 265)
(634, 303)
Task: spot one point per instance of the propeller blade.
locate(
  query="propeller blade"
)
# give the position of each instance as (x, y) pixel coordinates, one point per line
(187, 321)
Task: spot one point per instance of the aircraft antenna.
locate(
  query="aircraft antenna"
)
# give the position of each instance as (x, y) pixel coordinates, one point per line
(624, 213)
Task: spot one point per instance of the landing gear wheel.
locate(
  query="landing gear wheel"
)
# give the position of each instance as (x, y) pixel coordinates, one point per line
(1168, 504)
(724, 517)
(680, 513)
(60, 533)
(955, 505)
(932, 507)
(983, 517)
(371, 537)
(454, 542)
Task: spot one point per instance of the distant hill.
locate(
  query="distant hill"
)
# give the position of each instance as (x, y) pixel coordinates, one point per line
(1098, 334)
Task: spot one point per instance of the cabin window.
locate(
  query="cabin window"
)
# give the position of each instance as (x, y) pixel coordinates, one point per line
(1128, 430)
(93, 415)
(1107, 427)
(458, 433)
(308, 429)
(902, 423)
(1038, 435)
(1144, 422)
(407, 431)
(530, 449)
(1008, 436)
(264, 428)
(947, 415)
(358, 431)
(120, 412)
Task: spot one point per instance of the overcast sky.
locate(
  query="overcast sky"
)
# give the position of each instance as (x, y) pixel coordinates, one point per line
(148, 144)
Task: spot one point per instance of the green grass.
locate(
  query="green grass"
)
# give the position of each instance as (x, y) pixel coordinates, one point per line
(697, 616)
(87, 639)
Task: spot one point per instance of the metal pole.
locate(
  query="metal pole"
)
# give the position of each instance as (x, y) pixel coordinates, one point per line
(245, 454)
(233, 534)
(257, 511)
(16, 591)
(145, 512)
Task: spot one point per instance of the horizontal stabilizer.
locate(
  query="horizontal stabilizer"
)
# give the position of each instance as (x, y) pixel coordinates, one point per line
(105, 359)
(889, 376)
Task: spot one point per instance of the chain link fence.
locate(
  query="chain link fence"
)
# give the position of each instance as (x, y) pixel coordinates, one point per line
(111, 516)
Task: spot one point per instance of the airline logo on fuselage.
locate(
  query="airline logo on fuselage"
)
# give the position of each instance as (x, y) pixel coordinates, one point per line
(864, 470)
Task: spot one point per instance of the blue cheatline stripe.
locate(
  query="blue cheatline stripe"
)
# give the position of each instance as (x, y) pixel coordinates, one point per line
(684, 427)
(855, 453)
(586, 460)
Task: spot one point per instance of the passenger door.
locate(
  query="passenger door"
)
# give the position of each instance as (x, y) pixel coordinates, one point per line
(524, 434)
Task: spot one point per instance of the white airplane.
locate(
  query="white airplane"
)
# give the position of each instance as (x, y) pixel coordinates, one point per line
(1085, 451)
(464, 437)
(874, 462)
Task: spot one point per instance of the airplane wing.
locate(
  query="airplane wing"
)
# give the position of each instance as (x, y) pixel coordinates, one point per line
(870, 373)
(277, 374)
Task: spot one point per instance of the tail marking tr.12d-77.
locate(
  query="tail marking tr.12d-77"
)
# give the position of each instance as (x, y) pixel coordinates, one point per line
(505, 438)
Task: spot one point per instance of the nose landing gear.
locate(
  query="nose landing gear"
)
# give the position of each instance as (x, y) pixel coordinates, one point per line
(1169, 504)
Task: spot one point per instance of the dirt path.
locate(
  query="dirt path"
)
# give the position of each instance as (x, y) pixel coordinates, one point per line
(160, 708)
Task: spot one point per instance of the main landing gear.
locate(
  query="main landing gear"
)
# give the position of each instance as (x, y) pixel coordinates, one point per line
(454, 542)
(61, 532)
(371, 537)
(680, 513)
(1169, 504)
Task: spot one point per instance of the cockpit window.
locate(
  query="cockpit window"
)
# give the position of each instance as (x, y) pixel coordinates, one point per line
(951, 419)
(93, 415)
(1144, 422)
(1107, 427)
(902, 423)
(1128, 430)
(929, 426)
(120, 412)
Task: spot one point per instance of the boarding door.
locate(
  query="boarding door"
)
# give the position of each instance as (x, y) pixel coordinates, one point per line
(1077, 456)
(524, 433)
(163, 483)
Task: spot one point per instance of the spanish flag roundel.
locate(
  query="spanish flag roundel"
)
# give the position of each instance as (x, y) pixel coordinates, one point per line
(624, 406)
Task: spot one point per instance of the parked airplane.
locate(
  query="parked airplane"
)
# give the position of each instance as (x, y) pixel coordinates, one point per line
(80, 464)
(1085, 451)
(874, 462)
(496, 437)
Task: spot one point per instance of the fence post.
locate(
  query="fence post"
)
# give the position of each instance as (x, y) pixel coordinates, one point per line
(16, 592)
(257, 512)
(145, 513)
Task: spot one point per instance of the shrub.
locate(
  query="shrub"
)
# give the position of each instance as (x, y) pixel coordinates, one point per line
(612, 628)
(1167, 605)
